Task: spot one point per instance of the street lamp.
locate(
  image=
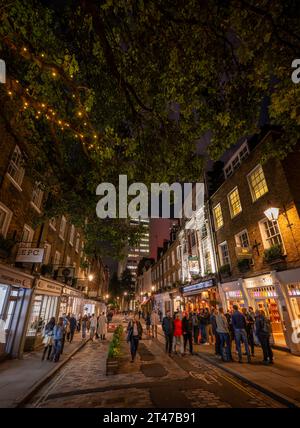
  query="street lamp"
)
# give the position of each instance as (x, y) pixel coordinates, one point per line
(272, 213)
(125, 293)
(107, 296)
(152, 288)
(91, 277)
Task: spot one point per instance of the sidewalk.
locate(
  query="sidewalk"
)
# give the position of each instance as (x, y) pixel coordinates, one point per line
(19, 377)
(281, 379)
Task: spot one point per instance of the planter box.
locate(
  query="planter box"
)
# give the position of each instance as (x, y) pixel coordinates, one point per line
(112, 365)
(278, 264)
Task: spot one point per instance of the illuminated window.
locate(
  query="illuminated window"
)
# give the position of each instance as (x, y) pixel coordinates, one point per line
(218, 216)
(234, 202)
(257, 183)
(270, 233)
(242, 239)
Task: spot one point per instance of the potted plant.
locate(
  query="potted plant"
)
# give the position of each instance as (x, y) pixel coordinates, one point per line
(6, 245)
(225, 270)
(274, 256)
(243, 265)
(114, 351)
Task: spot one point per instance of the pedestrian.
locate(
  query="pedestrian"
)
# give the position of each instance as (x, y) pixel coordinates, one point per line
(84, 326)
(223, 331)
(66, 325)
(208, 327)
(58, 335)
(93, 326)
(213, 315)
(48, 338)
(134, 335)
(78, 327)
(102, 326)
(72, 325)
(148, 323)
(88, 323)
(168, 329)
(195, 320)
(154, 323)
(178, 337)
(140, 314)
(263, 332)
(202, 323)
(239, 326)
(187, 331)
(250, 320)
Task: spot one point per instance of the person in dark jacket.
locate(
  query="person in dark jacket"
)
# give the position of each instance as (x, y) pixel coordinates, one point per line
(250, 320)
(58, 336)
(168, 329)
(213, 321)
(134, 335)
(48, 338)
(239, 326)
(187, 330)
(72, 329)
(202, 324)
(195, 320)
(263, 332)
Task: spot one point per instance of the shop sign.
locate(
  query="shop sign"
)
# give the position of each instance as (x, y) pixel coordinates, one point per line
(243, 252)
(49, 286)
(11, 279)
(30, 255)
(69, 292)
(193, 266)
(259, 281)
(199, 286)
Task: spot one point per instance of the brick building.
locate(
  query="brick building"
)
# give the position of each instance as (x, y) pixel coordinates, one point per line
(257, 234)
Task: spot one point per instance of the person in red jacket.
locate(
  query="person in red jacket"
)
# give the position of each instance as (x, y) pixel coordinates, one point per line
(177, 337)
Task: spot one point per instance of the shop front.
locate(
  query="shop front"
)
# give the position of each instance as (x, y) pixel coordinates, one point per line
(264, 294)
(45, 305)
(91, 307)
(201, 295)
(15, 291)
(163, 304)
(234, 294)
(71, 302)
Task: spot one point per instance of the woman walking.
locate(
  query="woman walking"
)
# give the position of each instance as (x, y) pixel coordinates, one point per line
(102, 326)
(134, 335)
(178, 337)
(84, 326)
(48, 338)
(148, 323)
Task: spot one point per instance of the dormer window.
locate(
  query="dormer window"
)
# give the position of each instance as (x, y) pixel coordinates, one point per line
(236, 160)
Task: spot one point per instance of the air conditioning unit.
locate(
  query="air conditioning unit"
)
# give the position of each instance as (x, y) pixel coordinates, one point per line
(66, 272)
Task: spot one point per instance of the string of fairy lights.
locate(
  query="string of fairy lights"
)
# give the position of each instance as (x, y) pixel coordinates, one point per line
(43, 110)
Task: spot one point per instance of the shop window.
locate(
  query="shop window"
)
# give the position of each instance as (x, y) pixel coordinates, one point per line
(270, 233)
(43, 309)
(62, 227)
(234, 202)
(5, 219)
(257, 183)
(15, 170)
(3, 294)
(224, 253)
(218, 216)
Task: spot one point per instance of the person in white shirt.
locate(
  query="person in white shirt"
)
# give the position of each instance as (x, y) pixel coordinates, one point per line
(154, 323)
(93, 326)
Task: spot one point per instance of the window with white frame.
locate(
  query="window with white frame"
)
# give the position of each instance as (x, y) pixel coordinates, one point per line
(242, 239)
(257, 183)
(218, 216)
(234, 202)
(270, 233)
(173, 258)
(37, 196)
(77, 243)
(193, 239)
(62, 227)
(27, 236)
(68, 261)
(56, 261)
(224, 253)
(47, 253)
(206, 255)
(236, 160)
(72, 234)
(52, 223)
(5, 219)
(15, 168)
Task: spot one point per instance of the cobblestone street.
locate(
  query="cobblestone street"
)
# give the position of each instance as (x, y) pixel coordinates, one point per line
(155, 380)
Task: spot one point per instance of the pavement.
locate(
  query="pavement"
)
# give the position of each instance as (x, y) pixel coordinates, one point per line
(20, 377)
(281, 380)
(154, 380)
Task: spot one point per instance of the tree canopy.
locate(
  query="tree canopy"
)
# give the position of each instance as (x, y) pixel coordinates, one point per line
(101, 88)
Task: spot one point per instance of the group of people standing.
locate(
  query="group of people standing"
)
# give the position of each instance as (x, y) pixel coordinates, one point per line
(57, 333)
(219, 329)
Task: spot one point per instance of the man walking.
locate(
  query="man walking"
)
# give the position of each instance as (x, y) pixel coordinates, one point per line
(263, 332)
(239, 326)
(250, 320)
(195, 320)
(58, 335)
(222, 328)
(93, 326)
(168, 329)
(154, 323)
(187, 330)
(73, 324)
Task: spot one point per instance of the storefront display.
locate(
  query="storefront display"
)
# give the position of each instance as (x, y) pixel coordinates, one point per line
(44, 307)
(71, 302)
(235, 297)
(201, 295)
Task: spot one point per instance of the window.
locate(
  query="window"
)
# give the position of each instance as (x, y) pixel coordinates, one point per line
(72, 233)
(236, 161)
(15, 170)
(47, 253)
(5, 219)
(77, 243)
(234, 202)
(193, 239)
(257, 183)
(270, 233)
(206, 255)
(37, 197)
(62, 228)
(68, 261)
(52, 223)
(56, 258)
(204, 231)
(224, 253)
(173, 258)
(218, 216)
(27, 235)
(242, 239)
